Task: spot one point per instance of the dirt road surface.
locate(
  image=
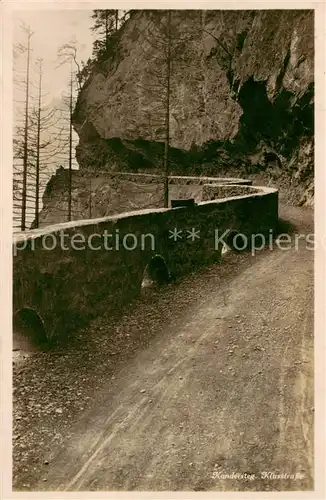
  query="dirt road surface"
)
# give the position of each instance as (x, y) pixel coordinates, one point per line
(221, 399)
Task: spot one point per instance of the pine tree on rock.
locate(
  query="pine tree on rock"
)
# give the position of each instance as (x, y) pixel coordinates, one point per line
(106, 24)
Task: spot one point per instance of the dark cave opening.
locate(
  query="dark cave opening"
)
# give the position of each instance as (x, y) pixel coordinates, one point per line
(279, 124)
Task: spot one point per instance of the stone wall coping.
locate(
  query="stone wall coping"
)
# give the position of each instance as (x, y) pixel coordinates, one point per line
(157, 176)
(224, 185)
(53, 228)
(218, 179)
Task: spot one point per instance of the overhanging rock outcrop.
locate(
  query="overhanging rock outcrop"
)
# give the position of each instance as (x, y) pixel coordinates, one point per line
(70, 272)
(242, 89)
(226, 53)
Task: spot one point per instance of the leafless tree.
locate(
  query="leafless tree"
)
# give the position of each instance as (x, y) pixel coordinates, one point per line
(68, 54)
(44, 142)
(25, 49)
(165, 41)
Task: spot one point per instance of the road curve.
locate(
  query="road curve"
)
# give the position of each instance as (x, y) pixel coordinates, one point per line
(222, 400)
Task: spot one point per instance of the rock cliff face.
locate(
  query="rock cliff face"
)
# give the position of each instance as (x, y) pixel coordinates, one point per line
(241, 98)
(242, 86)
(96, 194)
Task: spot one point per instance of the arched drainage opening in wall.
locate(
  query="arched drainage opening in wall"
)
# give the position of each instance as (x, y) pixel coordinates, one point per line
(234, 242)
(28, 331)
(156, 273)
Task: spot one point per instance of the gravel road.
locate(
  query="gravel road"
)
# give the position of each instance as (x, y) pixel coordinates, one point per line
(206, 384)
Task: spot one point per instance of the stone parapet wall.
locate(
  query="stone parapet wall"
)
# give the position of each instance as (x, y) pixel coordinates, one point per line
(66, 287)
(216, 191)
(189, 180)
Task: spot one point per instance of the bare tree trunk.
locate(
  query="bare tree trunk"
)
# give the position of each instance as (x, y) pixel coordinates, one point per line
(70, 151)
(37, 177)
(25, 158)
(167, 116)
(90, 198)
(107, 31)
(116, 20)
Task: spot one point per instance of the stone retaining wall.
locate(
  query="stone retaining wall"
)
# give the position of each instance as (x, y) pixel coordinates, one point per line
(66, 287)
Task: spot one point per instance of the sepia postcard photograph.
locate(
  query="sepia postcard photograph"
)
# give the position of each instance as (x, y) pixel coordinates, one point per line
(163, 286)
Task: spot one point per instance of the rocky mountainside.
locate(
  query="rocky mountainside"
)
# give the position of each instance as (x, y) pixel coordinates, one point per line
(241, 91)
(241, 103)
